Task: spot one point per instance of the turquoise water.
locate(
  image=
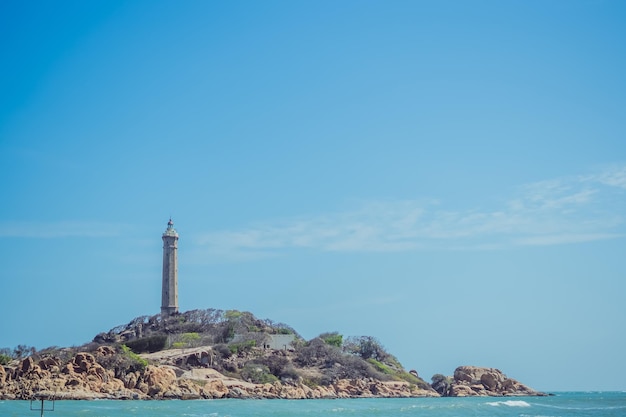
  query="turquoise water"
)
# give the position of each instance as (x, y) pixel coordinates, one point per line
(598, 404)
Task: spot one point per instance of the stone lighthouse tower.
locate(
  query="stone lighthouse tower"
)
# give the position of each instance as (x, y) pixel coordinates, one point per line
(169, 299)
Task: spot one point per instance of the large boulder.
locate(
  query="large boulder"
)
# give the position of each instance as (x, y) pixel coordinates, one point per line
(27, 368)
(131, 380)
(82, 362)
(50, 363)
(461, 391)
(215, 389)
(105, 351)
(3, 376)
(472, 374)
(492, 380)
(477, 381)
(160, 380)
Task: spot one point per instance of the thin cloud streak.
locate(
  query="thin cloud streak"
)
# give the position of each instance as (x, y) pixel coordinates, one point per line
(613, 177)
(60, 229)
(565, 238)
(555, 212)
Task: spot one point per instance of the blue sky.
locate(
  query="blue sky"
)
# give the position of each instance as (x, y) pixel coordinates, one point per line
(447, 176)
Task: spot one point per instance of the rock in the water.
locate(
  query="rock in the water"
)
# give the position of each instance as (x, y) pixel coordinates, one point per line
(477, 381)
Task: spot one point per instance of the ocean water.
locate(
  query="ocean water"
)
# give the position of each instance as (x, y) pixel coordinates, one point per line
(597, 404)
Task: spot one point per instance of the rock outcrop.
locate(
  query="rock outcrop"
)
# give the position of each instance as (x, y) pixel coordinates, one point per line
(475, 381)
(82, 377)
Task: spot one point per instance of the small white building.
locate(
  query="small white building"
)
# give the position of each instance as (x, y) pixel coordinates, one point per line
(269, 341)
(279, 341)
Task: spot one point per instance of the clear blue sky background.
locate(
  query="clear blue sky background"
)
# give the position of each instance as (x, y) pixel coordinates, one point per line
(447, 176)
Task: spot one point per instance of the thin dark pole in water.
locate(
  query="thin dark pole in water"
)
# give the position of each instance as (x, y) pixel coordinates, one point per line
(42, 408)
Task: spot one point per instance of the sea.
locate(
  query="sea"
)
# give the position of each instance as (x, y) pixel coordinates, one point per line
(565, 404)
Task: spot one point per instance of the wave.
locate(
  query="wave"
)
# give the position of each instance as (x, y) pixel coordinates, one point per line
(509, 403)
(580, 408)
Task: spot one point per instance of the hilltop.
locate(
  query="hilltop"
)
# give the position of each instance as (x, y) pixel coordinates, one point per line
(229, 354)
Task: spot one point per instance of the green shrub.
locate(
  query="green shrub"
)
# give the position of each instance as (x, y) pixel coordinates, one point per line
(441, 384)
(257, 374)
(311, 382)
(317, 353)
(186, 340)
(4, 359)
(123, 362)
(232, 314)
(409, 378)
(242, 347)
(366, 347)
(381, 367)
(412, 379)
(223, 350)
(289, 372)
(137, 360)
(148, 344)
(279, 366)
(397, 373)
(333, 339)
(392, 362)
(354, 367)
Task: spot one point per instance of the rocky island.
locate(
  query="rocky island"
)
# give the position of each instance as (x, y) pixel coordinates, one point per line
(209, 354)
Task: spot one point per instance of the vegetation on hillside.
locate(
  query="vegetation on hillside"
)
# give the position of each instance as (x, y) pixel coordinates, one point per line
(442, 384)
(236, 341)
(195, 327)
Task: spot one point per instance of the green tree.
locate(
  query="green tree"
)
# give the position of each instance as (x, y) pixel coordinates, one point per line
(137, 361)
(22, 351)
(187, 340)
(366, 347)
(441, 384)
(148, 344)
(257, 374)
(191, 339)
(332, 338)
(124, 361)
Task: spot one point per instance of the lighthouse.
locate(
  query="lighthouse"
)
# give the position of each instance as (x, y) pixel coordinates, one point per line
(169, 298)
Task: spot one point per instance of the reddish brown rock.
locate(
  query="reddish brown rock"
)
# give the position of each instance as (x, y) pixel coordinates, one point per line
(159, 380)
(477, 381)
(83, 377)
(105, 351)
(215, 389)
(50, 364)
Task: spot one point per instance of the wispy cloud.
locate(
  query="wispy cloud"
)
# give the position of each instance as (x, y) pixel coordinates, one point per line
(554, 212)
(59, 229)
(613, 177)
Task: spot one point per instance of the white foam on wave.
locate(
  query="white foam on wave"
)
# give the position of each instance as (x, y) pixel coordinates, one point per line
(510, 403)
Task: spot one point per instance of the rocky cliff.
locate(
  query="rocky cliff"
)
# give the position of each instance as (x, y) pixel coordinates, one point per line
(228, 354)
(470, 381)
(84, 378)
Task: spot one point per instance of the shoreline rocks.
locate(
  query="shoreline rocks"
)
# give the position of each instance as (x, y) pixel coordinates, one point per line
(472, 381)
(84, 378)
